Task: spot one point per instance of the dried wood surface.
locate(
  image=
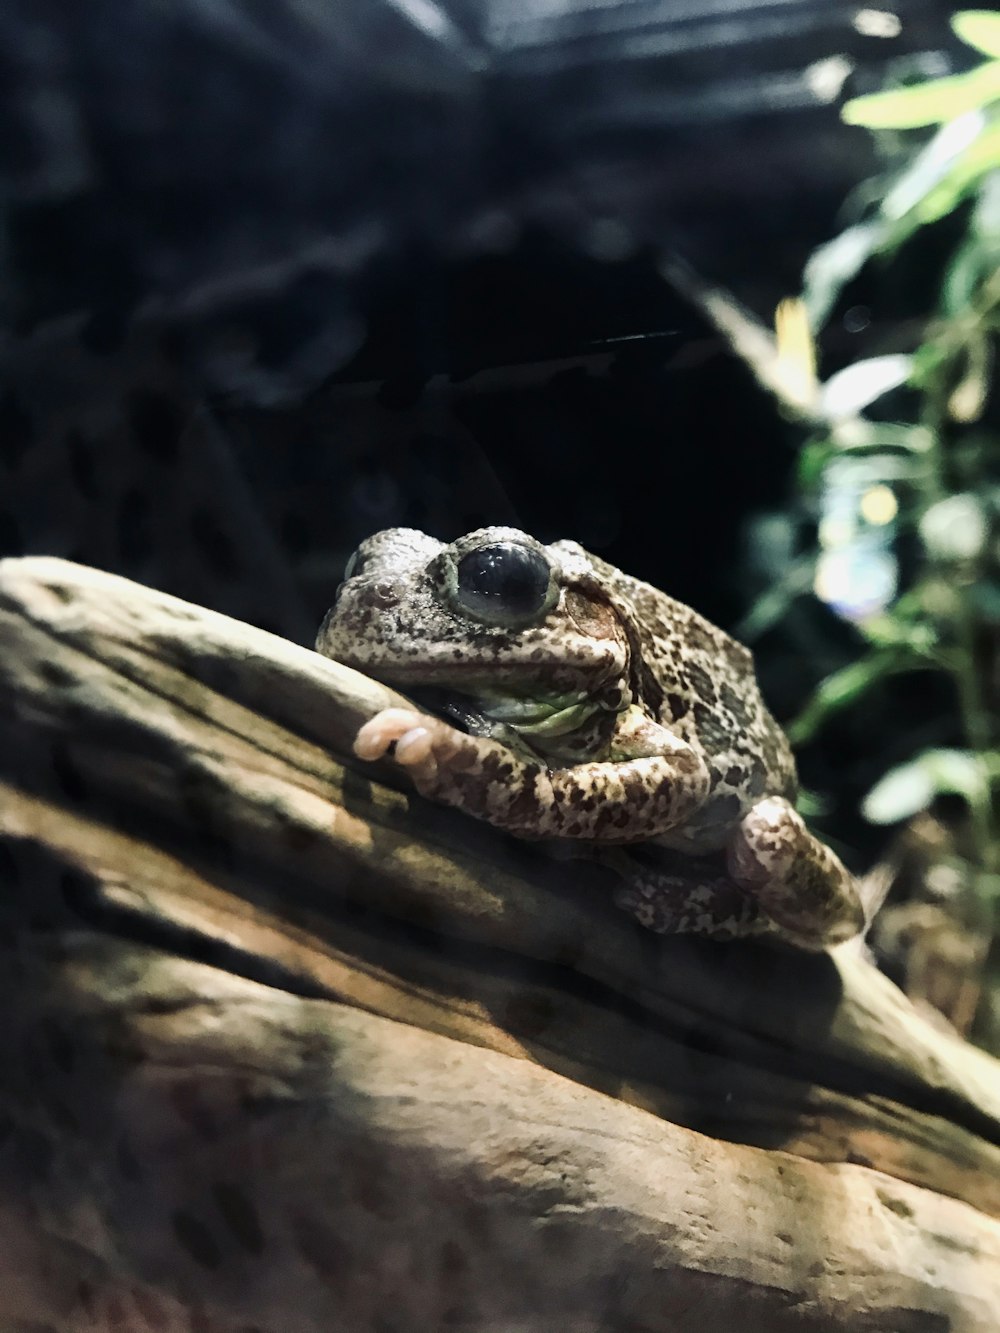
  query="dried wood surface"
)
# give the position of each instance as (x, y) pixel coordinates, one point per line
(288, 1049)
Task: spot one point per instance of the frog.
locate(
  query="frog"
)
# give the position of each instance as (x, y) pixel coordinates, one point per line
(557, 698)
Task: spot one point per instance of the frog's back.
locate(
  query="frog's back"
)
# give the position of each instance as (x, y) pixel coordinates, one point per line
(700, 682)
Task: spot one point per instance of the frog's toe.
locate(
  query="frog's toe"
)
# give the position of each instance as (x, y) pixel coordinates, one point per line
(765, 845)
(385, 729)
(796, 879)
(415, 748)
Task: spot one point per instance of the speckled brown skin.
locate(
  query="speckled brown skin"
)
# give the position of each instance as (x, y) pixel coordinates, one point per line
(608, 714)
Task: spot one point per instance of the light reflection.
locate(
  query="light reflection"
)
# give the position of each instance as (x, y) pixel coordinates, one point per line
(857, 573)
(879, 505)
(877, 23)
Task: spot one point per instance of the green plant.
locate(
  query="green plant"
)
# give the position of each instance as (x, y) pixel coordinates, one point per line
(927, 460)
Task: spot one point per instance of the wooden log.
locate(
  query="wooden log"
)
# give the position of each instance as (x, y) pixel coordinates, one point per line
(287, 1048)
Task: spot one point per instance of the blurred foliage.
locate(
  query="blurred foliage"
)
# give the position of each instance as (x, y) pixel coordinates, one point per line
(911, 437)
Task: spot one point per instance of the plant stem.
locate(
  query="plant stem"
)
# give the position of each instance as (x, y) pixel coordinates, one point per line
(976, 722)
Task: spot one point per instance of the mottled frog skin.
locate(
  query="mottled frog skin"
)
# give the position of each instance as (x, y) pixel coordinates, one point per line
(566, 700)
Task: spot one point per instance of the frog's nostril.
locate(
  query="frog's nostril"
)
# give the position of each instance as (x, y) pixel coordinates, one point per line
(383, 592)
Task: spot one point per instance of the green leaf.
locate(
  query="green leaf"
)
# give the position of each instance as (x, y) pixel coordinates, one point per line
(833, 265)
(902, 793)
(875, 440)
(955, 529)
(967, 400)
(928, 361)
(890, 629)
(985, 597)
(932, 166)
(979, 28)
(930, 103)
(839, 690)
(812, 462)
(910, 788)
(860, 384)
(980, 159)
(988, 888)
(812, 804)
(961, 282)
(773, 606)
(986, 215)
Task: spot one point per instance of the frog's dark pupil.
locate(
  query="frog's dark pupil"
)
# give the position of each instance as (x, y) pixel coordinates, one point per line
(503, 578)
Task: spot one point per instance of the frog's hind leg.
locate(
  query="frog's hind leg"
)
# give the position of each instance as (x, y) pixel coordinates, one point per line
(794, 877)
(685, 903)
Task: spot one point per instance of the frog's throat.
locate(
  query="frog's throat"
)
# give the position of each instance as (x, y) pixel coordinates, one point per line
(542, 723)
(547, 718)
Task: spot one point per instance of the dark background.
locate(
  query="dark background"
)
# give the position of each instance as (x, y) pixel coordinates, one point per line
(388, 266)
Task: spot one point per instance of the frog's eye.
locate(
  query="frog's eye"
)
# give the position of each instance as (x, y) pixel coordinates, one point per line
(503, 583)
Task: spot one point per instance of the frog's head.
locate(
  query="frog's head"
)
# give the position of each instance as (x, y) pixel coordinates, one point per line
(495, 617)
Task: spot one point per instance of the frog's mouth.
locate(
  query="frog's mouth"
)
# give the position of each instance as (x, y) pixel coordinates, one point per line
(541, 723)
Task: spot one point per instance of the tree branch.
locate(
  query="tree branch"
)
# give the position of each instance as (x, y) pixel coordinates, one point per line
(289, 1048)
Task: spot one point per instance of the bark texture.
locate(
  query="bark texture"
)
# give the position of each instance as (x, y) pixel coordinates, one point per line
(285, 1049)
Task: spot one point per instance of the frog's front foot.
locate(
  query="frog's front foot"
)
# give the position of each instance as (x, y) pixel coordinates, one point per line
(471, 773)
(423, 744)
(794, 877)
(601, 801)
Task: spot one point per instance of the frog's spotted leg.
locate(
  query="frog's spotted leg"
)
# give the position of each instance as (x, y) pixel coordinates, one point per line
(673, 904)
(781, 881)
(622, 801)
(794, 877)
